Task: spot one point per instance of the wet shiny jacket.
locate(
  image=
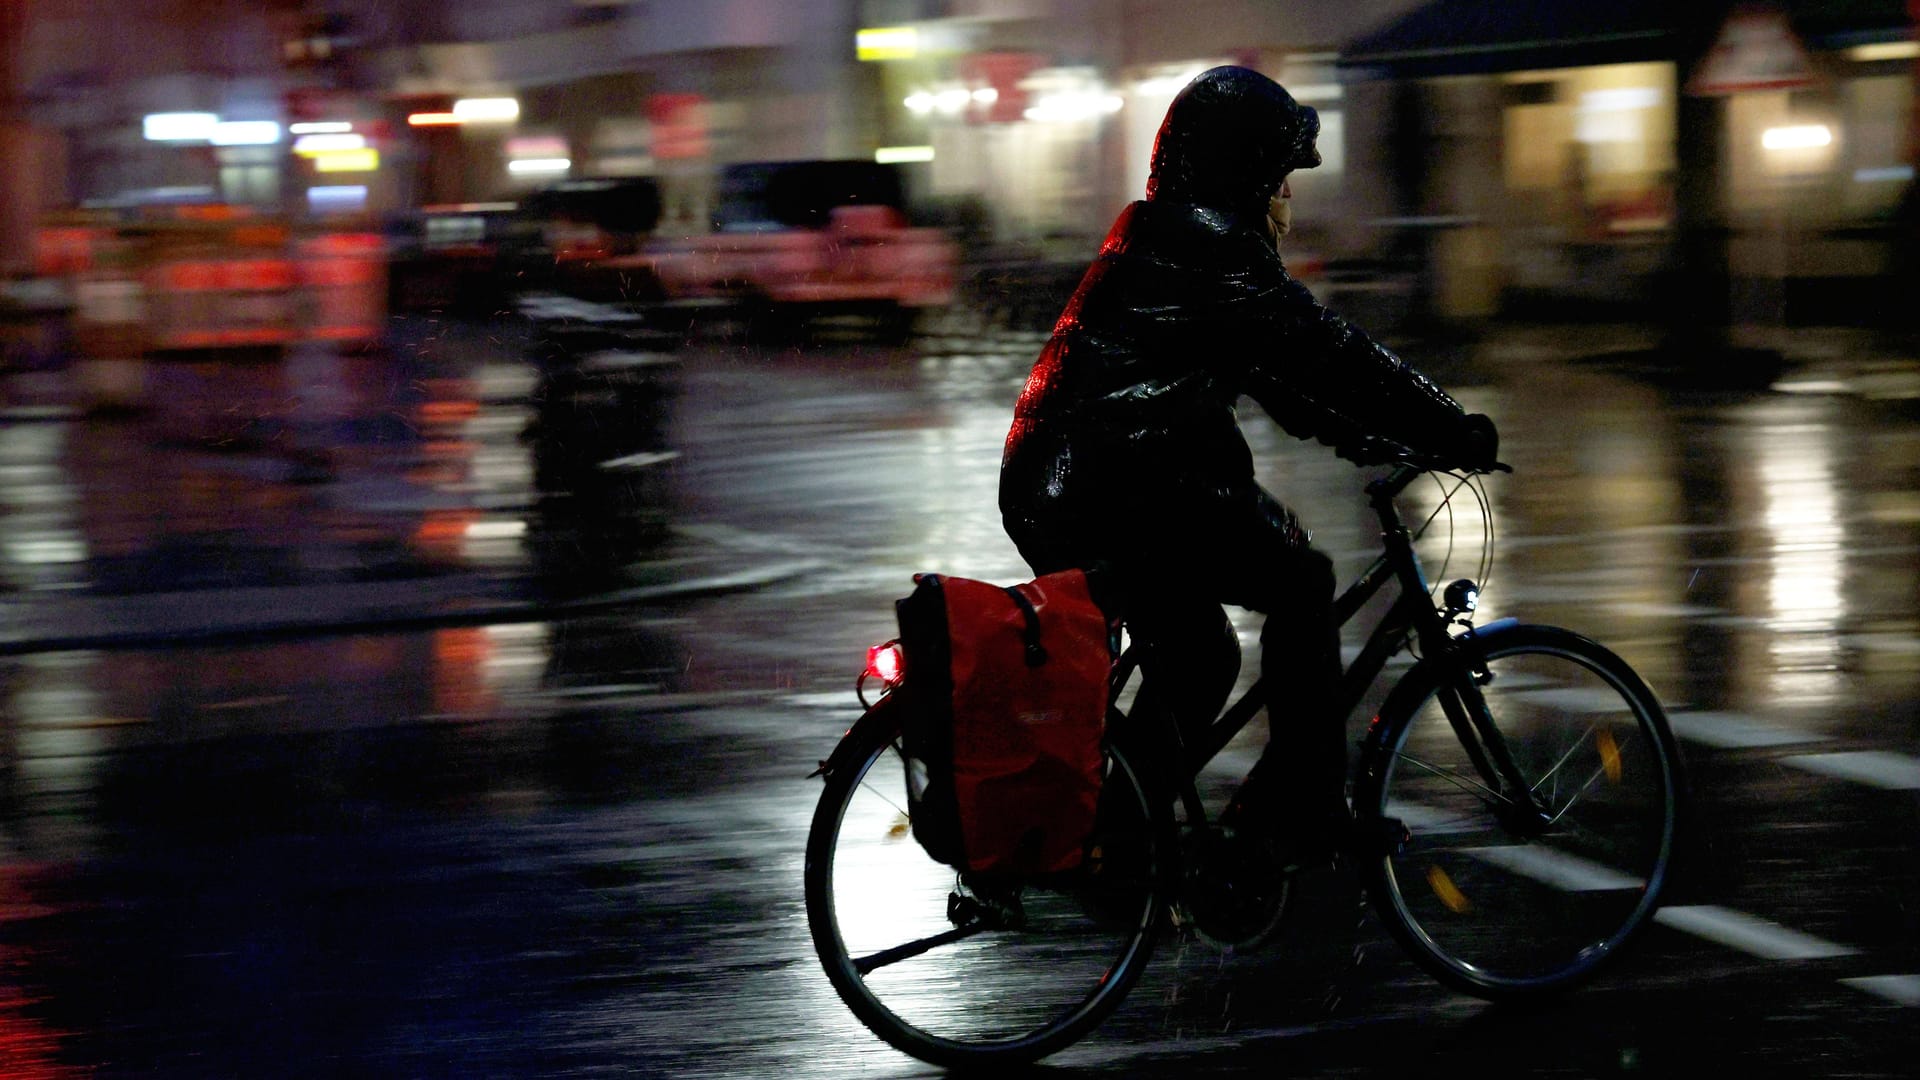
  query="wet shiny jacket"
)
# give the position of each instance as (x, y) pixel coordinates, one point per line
(1131, 405)
(1125, 436)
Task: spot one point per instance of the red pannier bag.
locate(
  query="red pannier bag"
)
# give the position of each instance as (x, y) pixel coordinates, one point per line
(1005, 696)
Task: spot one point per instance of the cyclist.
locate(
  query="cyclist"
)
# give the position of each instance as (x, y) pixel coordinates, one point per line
(1125, 454)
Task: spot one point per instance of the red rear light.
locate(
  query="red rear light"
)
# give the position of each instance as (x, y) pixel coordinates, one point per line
(886, 663)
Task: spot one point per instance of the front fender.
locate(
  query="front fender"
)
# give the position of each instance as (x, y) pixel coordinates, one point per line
(884, 713)
(1421, 679)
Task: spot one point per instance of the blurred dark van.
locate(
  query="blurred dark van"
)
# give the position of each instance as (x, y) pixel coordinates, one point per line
(765, 196)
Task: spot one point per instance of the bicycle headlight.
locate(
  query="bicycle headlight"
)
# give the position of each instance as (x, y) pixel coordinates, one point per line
(1461, 597)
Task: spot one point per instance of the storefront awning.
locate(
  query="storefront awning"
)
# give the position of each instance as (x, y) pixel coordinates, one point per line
(1474, 37)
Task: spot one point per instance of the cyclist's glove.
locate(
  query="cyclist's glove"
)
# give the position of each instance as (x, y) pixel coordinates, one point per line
(1477, 446)
(1370, 450)
(1473, 445)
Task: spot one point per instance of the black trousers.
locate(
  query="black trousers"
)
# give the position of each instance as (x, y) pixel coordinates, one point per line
(1172, 572)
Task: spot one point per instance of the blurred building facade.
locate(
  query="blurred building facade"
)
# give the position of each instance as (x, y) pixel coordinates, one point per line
(1532, 146)
(1561, 145)
(1040, 111)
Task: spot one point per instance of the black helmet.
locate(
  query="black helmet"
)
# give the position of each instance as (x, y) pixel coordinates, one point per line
(1228, 140)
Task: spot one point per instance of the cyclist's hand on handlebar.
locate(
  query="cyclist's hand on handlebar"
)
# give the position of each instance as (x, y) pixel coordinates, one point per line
(1474, 446)
(1478, 443)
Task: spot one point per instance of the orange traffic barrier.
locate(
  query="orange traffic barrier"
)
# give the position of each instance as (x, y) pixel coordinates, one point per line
(59, 251)
(199, 303)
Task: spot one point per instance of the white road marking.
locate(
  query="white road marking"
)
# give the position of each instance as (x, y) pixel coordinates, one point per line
(1556, 868)
(1895, 772)
(1578, 699)
(1732, 731)
(1425, 819)
(1755, 937)
(1892, 644)
(1899, 989)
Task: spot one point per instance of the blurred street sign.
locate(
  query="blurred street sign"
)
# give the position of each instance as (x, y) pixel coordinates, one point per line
(1001, 73)
(1756, 50)
(679, 123)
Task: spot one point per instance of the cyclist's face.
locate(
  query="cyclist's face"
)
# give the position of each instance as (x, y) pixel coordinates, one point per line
(1280, 211)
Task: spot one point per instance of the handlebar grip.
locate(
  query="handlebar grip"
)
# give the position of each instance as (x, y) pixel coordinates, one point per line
(1370, 450)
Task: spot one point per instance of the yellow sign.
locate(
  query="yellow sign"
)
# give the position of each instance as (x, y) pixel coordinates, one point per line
(887, 43)
(366, 160)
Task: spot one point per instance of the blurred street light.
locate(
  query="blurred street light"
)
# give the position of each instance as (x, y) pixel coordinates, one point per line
(179, 126)
(309, 145)
(246, 133)
(485, 110)
(1796, 137)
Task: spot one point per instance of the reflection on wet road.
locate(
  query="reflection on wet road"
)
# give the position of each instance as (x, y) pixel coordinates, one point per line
(562, 848)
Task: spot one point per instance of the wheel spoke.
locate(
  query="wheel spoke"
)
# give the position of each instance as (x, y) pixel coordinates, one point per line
(1609, 767)
(1551, 866)
(881, 795)
(1453, 776)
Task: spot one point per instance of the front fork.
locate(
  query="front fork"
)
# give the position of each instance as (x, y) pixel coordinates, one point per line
(1513, 799)
(1463, 673)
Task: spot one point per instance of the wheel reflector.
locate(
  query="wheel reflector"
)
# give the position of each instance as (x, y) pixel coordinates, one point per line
(1444, 888)
(1609, 754)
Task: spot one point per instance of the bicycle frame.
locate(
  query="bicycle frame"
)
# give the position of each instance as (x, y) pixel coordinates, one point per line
(1413, 611)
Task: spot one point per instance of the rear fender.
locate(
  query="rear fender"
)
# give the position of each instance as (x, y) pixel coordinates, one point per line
(884, 713)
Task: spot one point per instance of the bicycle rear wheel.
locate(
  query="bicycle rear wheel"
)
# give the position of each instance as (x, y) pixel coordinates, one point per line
(1500, 901)
(961, 973)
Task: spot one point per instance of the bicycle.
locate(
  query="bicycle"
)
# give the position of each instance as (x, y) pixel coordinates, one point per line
(1520, 787)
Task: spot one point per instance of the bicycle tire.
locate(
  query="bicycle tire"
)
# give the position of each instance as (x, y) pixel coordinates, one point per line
(1004, 996)
(1491, 903)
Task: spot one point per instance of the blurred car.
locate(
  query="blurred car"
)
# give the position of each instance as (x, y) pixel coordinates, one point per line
(467, 258)
(582, 224)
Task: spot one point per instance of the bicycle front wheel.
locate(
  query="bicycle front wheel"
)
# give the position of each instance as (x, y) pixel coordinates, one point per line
(963, 973)
(1501, 891)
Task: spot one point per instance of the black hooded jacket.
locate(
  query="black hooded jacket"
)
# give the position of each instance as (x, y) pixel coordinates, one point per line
(1127, 420)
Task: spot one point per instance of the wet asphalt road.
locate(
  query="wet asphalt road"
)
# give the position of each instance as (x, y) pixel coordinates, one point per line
(573, 848)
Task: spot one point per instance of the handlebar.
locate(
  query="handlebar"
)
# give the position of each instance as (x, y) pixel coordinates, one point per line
(1472, 447)
(1409, 465)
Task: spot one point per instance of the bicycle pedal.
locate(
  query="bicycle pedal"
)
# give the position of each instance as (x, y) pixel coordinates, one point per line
(998, 912)
(1380, 838)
